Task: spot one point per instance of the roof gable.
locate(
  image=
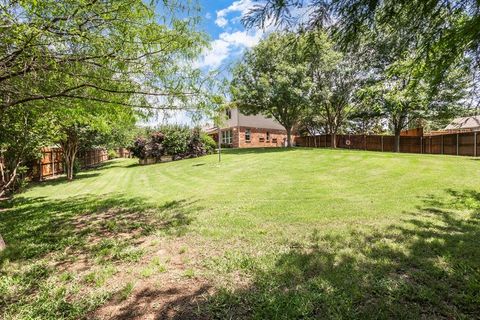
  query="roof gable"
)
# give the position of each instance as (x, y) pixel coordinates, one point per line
(465, 123)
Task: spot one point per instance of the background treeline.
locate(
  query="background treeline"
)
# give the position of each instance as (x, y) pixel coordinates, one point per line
(358, 66)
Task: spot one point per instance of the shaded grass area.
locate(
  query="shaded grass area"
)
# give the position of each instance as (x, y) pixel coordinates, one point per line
(265, 234)
(425, 266)
(61, 253)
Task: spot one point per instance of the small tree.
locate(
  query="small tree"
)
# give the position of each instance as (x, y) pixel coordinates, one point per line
(83, 126)
(23, 132)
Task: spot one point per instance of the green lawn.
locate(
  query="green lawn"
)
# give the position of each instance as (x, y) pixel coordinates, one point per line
(279, 234)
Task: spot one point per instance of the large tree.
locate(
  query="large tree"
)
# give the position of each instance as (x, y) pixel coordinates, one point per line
(334, 90)
(273, 80)
(443, 31)
(100, 51)
(59, 55)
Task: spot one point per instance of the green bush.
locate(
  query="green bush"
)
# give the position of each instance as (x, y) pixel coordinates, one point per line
(112, 154)
(180, 142)
(77, 166)
(176, 139)
(208, 142)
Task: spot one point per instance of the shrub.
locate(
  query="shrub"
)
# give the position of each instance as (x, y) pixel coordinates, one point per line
(112, 154)
(178, 141)
(195, 147)
(139, 148)
(156, 145)
(208, 142)
(77, 166)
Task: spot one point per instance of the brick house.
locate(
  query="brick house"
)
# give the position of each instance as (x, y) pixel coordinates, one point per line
(242, 131)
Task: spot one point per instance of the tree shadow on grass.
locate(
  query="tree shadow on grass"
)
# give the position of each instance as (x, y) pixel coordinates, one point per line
(34, 227)
(424, 267)
(53, 181)
(49, 240)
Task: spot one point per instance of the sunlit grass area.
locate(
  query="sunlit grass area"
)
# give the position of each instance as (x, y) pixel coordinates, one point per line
(301, 233)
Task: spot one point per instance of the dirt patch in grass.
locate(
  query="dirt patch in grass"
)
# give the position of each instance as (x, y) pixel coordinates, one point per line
(167, 284)
(174, 299)
(67, 257)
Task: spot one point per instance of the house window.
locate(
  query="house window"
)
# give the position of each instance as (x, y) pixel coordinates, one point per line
(228, 113)
(227, 137)
(248, 134)
(268, 136)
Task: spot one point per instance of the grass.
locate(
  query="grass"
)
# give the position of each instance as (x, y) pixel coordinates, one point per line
(279, 233)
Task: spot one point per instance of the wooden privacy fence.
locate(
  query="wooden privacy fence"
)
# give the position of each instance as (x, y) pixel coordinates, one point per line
(52, 162)
(92, 157)
(123, 153)
(461, 144)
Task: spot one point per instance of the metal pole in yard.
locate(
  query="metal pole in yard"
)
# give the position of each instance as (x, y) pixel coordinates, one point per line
(475, 144)
(457, 144)
(219, 144)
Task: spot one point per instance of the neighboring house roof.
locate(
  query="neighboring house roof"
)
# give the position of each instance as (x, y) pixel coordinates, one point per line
(465, 123)
(238, 119)
(210, 129)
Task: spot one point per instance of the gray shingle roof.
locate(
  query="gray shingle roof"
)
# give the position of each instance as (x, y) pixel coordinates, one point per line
(465, 123)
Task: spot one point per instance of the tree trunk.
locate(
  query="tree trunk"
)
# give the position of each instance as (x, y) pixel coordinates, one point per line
(289, 137)
(70, 148)
(333, 137)
(2, 243)
(2, 171)
(13, 175)
(397, 141)
(69, 164)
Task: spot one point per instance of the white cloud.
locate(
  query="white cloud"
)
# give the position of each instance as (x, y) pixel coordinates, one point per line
(208, 16)
(213, 58)
(242, 6)
(242, 38)
(226, 45)
(221, 21)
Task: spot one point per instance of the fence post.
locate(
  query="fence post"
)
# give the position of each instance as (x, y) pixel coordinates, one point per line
(382, 142)
(475, 144)
(421, 145)
(40, 170)
(442, 144)
(53, 163)
(457, 144)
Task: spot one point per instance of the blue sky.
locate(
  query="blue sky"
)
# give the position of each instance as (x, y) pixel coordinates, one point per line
(229, 39)
(221, 20)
